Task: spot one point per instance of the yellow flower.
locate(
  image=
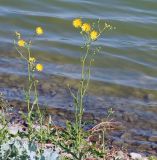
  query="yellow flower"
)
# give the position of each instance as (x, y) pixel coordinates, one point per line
(94, 35)
(21, 43)
(32, 60)
(86, 27)
(77, 23)
(39, 31)
(39, 67)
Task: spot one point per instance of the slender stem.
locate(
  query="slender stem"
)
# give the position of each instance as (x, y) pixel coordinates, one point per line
(29, 92)
(83, 61)
(103, 136)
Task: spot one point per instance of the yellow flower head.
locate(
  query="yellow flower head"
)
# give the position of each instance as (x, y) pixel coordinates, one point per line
(94, 35)
(39, 31)
(77, 23)
(86, 27)
(39, 67)
(21, 43)
(32, 60)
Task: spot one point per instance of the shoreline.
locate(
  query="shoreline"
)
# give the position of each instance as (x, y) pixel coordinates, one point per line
(118, 137)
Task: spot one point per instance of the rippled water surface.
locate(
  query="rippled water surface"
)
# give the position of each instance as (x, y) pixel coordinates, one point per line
(126, 68)
(129, 53)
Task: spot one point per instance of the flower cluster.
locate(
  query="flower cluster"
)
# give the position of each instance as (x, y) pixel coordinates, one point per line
(23, 44)
(86, 27)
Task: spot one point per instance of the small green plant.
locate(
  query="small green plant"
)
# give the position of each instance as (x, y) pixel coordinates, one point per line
(21, 149)
(4, 135)
(152, 158)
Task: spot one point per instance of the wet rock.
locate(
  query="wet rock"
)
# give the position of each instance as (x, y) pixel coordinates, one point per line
(144, 147)
(126, 136)
(153, 152)
(129, 142)
(116, 133)
(52, 93)
(154, 145)
(119, 127)
(140, 138)
(154, 132)
(148, 97)
(135, 156)
(13, 78)
(46, 87)
(140, 135)
(118, 142)
(153, 138)
(130, 117)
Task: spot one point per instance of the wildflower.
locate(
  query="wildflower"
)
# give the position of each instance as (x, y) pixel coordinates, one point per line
(39, 67)
(18, 35)
(94, 35)
(21, 43)
(77, 23)
(32, 60)
(39, 31)
(86, 27)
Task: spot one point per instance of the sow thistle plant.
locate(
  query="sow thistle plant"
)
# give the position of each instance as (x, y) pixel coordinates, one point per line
(90, 34)
(74, 138)
(23, 46)
(34, 113)
(37, 133)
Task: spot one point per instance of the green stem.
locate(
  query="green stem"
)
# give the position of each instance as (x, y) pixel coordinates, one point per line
(29, 93)
(81, 96)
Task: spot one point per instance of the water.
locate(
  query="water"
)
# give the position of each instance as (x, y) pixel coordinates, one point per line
(125, 70)
(129, 52)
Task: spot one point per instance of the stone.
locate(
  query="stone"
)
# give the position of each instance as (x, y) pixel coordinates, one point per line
(153, 138)
(145, 158)
(120, 155)
(135, 156)
(126, 136)
(14, 130)
(148, 97)
(46, 87)
(144, 147)
(154, 145)
(130, 117)
(13, 78)
(118, 142)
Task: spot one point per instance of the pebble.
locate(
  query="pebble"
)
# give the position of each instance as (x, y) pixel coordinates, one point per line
(120, 155)
(130, 117)
(135, 156)
(126, 136)
(118, 142)
(46, 86)
(14, 129)
(153, 138)
(144, 146)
